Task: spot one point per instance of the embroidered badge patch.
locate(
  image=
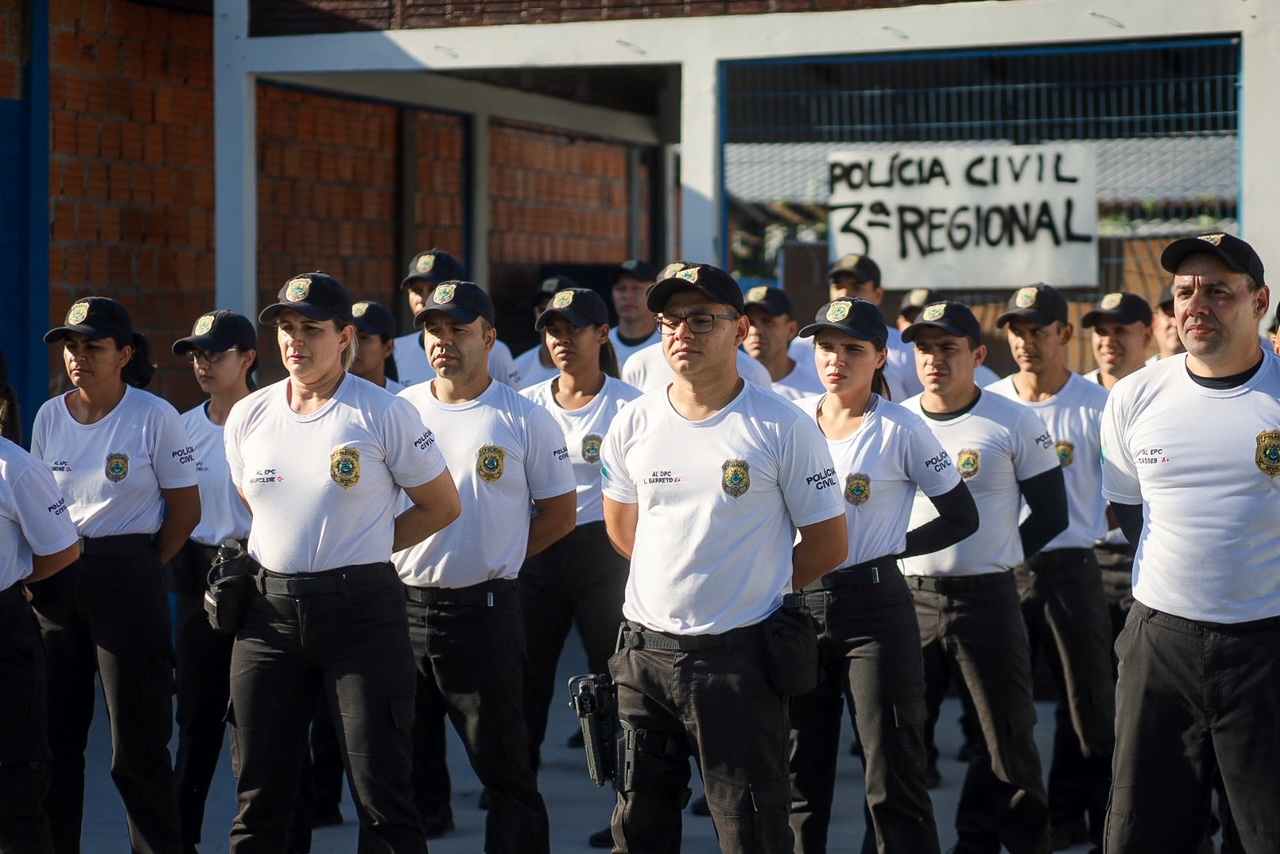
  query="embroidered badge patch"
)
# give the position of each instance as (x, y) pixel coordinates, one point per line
(442, 294)
(1214, 239)
(344, 467)
(1267, 458)
(1066, 452)
(669, 271)
(838, 311)
(1110, 302)
(360, 308)
(425, 263)
(968, 462)
(737, 477)
(933, 312)
(857, 488)
(591, 447)
(564, 299)
(917, 296)
(77, 314)
(203, 325)
(117, 467)
(490, 463)
(757, 294)
(297, 289)
(850, 260)
(1025, 298)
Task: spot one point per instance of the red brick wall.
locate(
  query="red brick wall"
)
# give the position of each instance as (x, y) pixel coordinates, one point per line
(11, 27)
(131, 171)
(439, 203)
(327, 189)
(289, 17)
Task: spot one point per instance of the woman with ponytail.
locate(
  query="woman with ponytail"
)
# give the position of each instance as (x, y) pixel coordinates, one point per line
(123, 460)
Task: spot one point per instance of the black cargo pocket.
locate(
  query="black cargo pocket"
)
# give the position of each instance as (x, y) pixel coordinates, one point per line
(791, 646)
(770, 795)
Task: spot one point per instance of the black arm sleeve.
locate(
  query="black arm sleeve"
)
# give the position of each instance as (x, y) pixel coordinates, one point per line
(1046, 497)
(1130, 518)
(957, 519)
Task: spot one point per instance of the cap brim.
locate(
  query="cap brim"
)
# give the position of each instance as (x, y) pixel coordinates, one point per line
(419, 277)
(1040, 318)
(1091, 318)
(764, 305)
(574, 317)
(271, 312)
(457, 312)
(660, 292)
(371, 328)
(909, 334)
(814, 328)
(208, 343)
(58, 333)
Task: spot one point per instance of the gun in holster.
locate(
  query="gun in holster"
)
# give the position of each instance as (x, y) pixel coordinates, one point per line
(595, 700)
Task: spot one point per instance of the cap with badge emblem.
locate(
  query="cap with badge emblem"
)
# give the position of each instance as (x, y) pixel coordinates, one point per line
(433, 266)
(1121, 307)
(373, 318)
(548, 287)
(217, 332)
(317, 295)
(771, 299)
(640, 270)
(1238, 254)
(684, 276)
(916, 299)
(856, 317)
(954, 318)
(862, 267)
(97, 318)
(463, 301)
(1041, 304)
(580, 306)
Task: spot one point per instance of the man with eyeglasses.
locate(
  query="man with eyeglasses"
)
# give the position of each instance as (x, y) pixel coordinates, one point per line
(705, 481)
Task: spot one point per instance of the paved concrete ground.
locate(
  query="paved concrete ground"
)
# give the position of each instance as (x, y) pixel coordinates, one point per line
(576, 806)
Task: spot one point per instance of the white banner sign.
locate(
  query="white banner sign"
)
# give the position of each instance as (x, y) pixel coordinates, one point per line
(982, 217)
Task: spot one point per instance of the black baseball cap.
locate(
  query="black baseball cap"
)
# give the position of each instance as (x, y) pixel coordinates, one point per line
(951, 317)
(547, 287)
(771, 299)
(862, 267)
(1239, 255)
(373, 318)
(916, 299)
(217, 332)
(579, 306)
(636, 269)
(463, 301)
(1041, 304)
(94, 317)
(684, 276)
(856, 317)
(1120, 307)
(434, 266)
(317, 295)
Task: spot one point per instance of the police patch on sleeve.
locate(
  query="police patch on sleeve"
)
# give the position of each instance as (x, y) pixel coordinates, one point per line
(344, 467)
(591, 447)
(968, 462)
(1066, 452)
(491, 461)
(1267, 458)
(117, 467)
(857, 488)
(736, 479)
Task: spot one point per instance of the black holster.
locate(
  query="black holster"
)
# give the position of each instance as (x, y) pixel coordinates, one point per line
(231, 587)
(595, 700)
(791, 646)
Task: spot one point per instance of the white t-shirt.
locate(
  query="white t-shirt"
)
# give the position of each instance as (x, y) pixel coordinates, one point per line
(392, 387)
(648, 370)
(33, 514)
(802, 382)
(112, 471)
(1205, 465)
(584, 429)
(532, 371)
(878, 469)
(323, 487)
(222, 513)
(993, 446)
(624, 350)
(1074, 419)
(983, 376)
(413, 368)
(718, 500)
(504, 452)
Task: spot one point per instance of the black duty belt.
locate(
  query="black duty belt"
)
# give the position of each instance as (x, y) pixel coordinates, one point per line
(12, 595)
(637, 636)
(1055, 558)
(117, 545)
(857, 575)
(340, 580)
(481, 594)
(955, 585)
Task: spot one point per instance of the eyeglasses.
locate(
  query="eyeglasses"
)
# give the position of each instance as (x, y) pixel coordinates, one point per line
(207, 357)
(699, 323)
